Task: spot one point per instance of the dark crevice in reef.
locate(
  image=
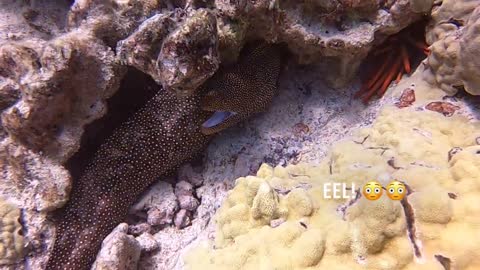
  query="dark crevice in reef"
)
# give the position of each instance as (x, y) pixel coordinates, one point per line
(444, 261)
(204, 4)
(411, 228)
(410, 38)
(135, 90)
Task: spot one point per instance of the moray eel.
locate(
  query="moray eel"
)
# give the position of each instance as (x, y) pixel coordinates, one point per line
(153, 142)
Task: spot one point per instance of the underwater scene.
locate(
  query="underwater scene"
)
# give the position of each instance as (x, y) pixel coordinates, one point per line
(240, 135)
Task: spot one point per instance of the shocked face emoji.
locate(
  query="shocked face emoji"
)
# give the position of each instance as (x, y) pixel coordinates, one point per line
(372, 190)
(396, 190)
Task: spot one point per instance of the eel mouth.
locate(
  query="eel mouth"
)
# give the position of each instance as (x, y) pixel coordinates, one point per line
(217, 118)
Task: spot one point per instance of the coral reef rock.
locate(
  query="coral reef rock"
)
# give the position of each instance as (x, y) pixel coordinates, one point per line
(181, 48)
(52, 83)
(188, 174)
(52, 89)
(189, 55)
(179, 51)
(338, 34)
(147, 242)
(160, 204)
(109, 20)
(455, 47)
(119, 251)
(62, 89)
(185, 196)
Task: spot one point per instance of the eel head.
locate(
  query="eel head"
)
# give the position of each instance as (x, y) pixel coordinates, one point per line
(247, 88)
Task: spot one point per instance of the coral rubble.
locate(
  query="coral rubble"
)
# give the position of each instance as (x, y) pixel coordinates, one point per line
(120, 251)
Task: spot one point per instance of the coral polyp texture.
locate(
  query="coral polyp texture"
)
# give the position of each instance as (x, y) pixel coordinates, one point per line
(281, 219)
(11, 240)
(454, 37)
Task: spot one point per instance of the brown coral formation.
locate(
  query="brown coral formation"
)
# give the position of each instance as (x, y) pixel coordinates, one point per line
(51, 87)
(181, 58)
(109, 20)
(344, 42)
(336, 33)
(61, 89)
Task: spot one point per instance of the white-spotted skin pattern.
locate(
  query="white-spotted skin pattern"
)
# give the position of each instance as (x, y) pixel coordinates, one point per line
(152, 143)
(159, 137)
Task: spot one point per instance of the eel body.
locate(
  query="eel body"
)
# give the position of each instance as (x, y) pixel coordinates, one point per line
(153, 142)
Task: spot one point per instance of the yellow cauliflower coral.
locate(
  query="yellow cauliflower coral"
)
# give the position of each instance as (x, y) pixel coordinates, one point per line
(281, 219)
(299, 203)
(308, 248)
(265, 203)
(11, 236)
(372, 223)
(252, 203)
